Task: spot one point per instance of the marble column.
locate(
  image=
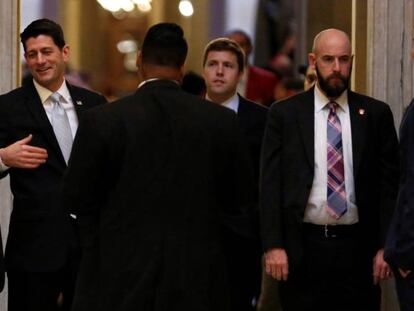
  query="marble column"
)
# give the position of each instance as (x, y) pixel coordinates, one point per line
(390, 70)
(9, 73)
(389, 67)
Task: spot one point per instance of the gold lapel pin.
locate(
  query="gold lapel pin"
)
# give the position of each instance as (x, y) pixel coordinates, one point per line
(361, 111)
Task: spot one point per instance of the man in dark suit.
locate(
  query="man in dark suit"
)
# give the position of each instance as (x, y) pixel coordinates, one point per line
(223, 67)
(37, 126)
(399, 249)
(165, 169)
(328, 188)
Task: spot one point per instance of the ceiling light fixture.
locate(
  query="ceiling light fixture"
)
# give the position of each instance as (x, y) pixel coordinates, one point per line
(186, 8)
(125, 5)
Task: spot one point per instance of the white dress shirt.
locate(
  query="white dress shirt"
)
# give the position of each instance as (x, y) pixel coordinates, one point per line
(67, 105)
(65, 100)
(232, 103)
(315, 211)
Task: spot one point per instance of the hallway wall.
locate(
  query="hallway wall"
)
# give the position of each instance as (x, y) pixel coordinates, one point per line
(9, 75)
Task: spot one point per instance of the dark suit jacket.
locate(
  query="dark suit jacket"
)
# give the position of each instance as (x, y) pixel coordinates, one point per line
(244, 253)
(164, 169)
(40, 232)
(399, 251)
(260, 85)
(288, 170)
(252, 120)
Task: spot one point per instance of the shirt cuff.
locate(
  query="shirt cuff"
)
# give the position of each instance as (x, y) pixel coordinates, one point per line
(3, 167)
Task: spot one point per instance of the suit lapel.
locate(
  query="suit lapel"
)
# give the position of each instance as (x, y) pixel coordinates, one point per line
(241, 112)
(79, 105)
(306, 123)
(358, 114)
(406, 111)
(39, 114)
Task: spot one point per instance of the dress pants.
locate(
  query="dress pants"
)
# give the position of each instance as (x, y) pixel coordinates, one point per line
(40, 291)
(405, 291)
(243, 256)
(335, 274)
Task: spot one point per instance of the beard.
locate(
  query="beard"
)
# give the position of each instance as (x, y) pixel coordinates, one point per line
(333, 89)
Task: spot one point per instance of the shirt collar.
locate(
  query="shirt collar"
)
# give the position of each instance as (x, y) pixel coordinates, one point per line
(231, 103)
(153, 79)
(45, 93)
(321, 100)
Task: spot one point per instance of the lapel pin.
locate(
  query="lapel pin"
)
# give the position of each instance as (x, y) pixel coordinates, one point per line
(79, 103)
(361, 111)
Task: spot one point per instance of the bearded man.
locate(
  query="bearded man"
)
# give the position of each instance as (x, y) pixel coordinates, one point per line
(328, 187)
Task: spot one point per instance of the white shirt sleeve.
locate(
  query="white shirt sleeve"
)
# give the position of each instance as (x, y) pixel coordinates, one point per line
(3, 167)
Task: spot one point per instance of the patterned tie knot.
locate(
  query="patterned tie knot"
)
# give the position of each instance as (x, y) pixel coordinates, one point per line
(332, 106)
(55, 97)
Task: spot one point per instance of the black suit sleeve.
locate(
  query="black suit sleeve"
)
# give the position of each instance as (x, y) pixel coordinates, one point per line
(405, 240)
(85, 181)
(388, 160)
(271, 182)
(235, 179)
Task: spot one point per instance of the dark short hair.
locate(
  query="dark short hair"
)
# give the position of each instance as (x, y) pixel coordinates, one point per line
(45, 27)
(241, 33)
(165, 45)
(225, 44)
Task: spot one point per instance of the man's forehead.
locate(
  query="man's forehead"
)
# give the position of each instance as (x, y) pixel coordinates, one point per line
(222, 54)
(334, 54)
(40, 40)
(333, 47)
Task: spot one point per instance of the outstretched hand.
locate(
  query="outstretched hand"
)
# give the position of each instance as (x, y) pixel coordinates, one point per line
(22, 155)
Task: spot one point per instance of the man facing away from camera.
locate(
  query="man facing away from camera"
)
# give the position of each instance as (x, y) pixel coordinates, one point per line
(164, 171)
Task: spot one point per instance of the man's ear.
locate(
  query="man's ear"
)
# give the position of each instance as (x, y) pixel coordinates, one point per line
(66, 53)
(312, 60)
(240, 75)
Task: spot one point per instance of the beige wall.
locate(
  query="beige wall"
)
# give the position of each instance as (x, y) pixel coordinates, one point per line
(83, 23)
(349, 16)
(324, 14)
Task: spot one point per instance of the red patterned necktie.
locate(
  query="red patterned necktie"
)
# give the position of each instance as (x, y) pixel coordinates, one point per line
(336, 200)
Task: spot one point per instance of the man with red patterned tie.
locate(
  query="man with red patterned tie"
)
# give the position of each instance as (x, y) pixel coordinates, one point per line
(328, 188)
